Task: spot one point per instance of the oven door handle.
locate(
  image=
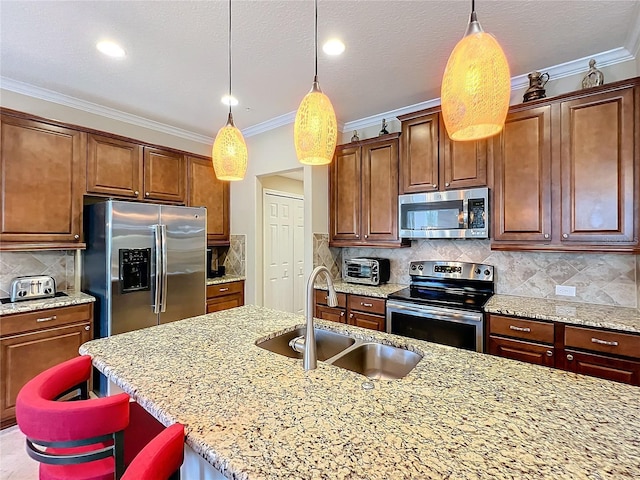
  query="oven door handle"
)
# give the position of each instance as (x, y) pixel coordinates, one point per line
(435, 312)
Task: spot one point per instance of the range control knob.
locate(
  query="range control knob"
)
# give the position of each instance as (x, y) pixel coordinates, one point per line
(413, 267)
(420, 267)
(478, 271)
(487, 272)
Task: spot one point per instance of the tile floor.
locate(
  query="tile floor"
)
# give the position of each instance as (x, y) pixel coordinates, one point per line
(15, 464)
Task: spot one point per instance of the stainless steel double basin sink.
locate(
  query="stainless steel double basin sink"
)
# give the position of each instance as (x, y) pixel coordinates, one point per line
(374, 360)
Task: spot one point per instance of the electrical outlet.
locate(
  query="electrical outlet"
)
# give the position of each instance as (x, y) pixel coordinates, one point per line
(565, 290)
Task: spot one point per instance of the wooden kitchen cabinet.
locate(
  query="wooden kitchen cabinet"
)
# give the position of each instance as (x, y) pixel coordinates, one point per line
(325, 312)
(223, 296)
(205, 190)
(566, 173)
(597, 352)
(521, 339)
(42, 184)
(34, 341)
(363, 194)
(358, 310)
(126, 169)
(430, 161)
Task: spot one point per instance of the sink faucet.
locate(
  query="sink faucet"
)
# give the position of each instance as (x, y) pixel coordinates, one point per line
(309, 356)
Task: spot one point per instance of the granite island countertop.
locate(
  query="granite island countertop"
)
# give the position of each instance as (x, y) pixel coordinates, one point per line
(254, 414)
(70, 298)
(585, 314)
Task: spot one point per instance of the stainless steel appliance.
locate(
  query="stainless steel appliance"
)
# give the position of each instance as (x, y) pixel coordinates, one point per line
(450, 214)
(32, 287)
(144, 263)
(366, 270)
(443, 303)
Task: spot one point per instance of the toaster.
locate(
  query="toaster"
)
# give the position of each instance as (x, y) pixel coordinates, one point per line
(32, 287)
(366, 270)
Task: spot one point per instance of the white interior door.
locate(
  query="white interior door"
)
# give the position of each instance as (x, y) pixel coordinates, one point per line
(283, 252)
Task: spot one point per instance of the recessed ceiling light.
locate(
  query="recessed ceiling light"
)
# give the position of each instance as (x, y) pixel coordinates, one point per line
(111, 49)
(229, 100)
(333, 47)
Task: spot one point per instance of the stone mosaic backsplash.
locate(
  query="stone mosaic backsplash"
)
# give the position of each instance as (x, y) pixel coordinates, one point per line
(234, 258)
(60, 264)
(606, 279)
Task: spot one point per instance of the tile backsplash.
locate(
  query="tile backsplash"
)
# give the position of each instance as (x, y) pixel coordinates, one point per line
(234, 258)
(607, 279)
(60, 264)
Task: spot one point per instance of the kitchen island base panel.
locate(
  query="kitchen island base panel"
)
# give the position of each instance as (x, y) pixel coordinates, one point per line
(194, 467)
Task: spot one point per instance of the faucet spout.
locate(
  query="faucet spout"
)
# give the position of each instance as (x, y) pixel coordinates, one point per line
(309, 355)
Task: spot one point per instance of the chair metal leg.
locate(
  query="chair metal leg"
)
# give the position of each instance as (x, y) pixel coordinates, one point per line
(118, 446)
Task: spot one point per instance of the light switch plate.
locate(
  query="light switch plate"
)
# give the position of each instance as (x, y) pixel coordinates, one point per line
(565, 290)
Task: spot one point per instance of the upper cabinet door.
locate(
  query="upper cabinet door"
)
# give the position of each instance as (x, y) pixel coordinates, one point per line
(419, 158)
(464, 164)
(164, 175)
(205, 190)
(42, 183)
(522, 187)
(597, 168)
(113, 167)
(380, 191)
(345, 188)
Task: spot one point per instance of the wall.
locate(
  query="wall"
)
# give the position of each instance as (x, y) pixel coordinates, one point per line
(59, 264)
(282, 184)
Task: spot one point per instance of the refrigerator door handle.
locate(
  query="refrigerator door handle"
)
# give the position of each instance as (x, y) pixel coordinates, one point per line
(157, 291)
(163, 299)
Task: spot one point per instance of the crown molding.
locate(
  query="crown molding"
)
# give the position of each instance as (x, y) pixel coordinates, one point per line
(603, 59)
(89, 107)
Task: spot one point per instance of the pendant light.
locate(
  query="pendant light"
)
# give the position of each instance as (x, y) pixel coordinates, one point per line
(229, 153)
(476, 85)
(315, 132)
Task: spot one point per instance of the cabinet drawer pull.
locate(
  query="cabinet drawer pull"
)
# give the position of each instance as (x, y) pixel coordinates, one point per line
(520, 329)
(549, 353)
(351, 315)
(224, 289)
(342, 314)
(604, 342)
(366, 304)
(569, 357)
(46, 319)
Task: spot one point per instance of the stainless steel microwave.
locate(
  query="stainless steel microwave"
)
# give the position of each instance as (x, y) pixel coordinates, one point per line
(450, 214)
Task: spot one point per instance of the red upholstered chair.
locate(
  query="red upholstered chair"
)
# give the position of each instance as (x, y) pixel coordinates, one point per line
(93, 439)
(161, 458)
(81, 439)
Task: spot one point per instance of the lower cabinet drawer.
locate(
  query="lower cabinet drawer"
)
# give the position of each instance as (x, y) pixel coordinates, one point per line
(49, 318)
(367, 304)
(225, 289)
(530, 330)
(321, 297)
(331, 313)
(520, 350)
(615, 343)
(224, 303)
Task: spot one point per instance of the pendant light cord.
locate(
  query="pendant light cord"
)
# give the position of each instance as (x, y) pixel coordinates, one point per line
(229, 56)
(315, 40)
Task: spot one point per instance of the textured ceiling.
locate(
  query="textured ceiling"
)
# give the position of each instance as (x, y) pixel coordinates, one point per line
(176, 68)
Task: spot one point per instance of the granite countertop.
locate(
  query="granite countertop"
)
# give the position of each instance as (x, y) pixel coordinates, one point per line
(225, 279)
(589, 315)
(380, 291)
(254, 414)
(72, 298)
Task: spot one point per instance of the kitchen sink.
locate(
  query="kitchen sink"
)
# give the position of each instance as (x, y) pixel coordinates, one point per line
(375, 360)
(328, 343)
(370, 359)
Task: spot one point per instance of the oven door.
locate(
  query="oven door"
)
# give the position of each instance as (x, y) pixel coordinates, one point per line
(447, 326)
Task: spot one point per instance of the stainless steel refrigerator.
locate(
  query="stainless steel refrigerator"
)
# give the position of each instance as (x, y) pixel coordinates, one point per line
(144, 263)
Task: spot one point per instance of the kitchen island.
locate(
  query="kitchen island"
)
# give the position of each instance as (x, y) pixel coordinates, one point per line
(254, 414)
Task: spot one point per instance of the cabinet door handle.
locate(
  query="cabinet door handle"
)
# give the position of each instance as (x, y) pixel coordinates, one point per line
(146, 194)
(342, 314)
(76, 237)
(366, 236)
(565, 235)
(549, 353)
(366, 304)
(224, 289)
(136, 193)
(604, 342)
(569, 357)
(520, 329)
(87, 328)
(546, 235)
(46, 319)
(434, 185)
(351, 315)
(447, 184)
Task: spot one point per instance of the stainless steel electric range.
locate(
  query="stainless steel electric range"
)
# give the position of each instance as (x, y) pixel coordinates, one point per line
(443, 304)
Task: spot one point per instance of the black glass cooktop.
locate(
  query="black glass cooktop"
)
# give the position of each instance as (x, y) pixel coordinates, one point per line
(465, 295)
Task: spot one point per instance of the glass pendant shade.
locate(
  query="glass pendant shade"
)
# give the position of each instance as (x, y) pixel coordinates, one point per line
(229, 154)
(315, 131)
(476, 87)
